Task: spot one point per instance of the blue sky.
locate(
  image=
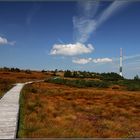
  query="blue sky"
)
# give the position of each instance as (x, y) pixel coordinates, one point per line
(77, 35)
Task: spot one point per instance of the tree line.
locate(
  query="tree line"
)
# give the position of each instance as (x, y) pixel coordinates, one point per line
(112, 76)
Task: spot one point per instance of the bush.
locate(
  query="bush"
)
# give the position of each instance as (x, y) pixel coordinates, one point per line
(68, 73)
(103, 76)
(131, 85)
(6, 69)
(15, 70)
(136, 78)
(43, 71)
(28, 71)
(111, 76)
(115, 87)
(32, 89)
(98, 84)
(79, 83)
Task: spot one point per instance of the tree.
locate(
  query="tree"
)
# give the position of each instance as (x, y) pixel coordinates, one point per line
(28, 71)
(111, 76)
(43, 71)
(136, 77)
(67, 73)
(55, 72)
(15, 70)
(6, 69)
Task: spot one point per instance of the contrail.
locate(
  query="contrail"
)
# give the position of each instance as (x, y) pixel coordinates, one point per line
(33, 11)
(115, 7)
(131, 57)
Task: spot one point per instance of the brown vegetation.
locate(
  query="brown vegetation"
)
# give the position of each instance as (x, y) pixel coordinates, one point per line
(52, 110)
(7, 78)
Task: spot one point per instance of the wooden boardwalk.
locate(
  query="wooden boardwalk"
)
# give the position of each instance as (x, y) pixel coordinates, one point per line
(9, 109)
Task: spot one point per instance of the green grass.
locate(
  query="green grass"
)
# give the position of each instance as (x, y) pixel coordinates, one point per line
(79, 83)
(131, 85)
(21, 126)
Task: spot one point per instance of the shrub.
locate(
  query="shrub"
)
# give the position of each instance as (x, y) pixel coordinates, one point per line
(115, 87)
(79, 83)
(28, 71)
(111, 76)
(136, 78)
(43, 71)
(15, 70)
(131, 85)
(68, 73)
(6, 69)
(32, 89)
(103, 76)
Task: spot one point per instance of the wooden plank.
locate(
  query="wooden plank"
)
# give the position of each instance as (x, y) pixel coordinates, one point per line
(9, 109)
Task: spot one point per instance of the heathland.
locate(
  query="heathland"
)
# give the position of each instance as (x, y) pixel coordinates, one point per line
(76, 104)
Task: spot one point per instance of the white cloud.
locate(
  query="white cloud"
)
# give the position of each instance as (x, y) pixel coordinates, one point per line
(82, 60)
(4, 41)
(87, 60)
(102, 60)
(71, 49)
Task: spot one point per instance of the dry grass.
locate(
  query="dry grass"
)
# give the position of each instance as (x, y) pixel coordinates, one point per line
(51, 110)
(7, 79)
(21, 76)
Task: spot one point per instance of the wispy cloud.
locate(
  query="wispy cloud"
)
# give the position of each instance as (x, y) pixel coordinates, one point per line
(85, 23)
(83, 28)
(115, 7)
(128, 58)
(128, 61)
(32, 13)
(71, 49)
(87, 60)
(60, 41)
(131, 57)
(4, 41)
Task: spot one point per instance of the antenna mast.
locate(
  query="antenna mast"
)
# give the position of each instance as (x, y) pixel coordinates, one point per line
(121, 61)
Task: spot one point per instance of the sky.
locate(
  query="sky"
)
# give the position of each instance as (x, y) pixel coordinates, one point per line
(81, 35)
